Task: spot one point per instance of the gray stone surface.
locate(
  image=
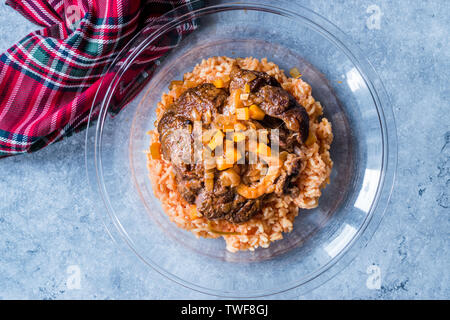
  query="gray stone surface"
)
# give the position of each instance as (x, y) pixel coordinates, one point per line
(47, 222)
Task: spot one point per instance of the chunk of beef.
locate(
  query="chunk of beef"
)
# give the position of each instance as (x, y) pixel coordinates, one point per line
(176, 147)
(201, 103)
(278, 103)
(225, 203)
(176, 139)
(255, 79)
(171, 128)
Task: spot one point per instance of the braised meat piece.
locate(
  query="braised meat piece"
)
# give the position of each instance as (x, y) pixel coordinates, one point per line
(203, 103)
(224, 203)
(255, 79)
(272, 99)
(278, 103)
(176, 147)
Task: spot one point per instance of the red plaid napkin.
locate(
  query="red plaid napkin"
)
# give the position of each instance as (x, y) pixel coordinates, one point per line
(48, 80)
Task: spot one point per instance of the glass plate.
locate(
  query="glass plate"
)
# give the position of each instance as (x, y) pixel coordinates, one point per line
(364, 151)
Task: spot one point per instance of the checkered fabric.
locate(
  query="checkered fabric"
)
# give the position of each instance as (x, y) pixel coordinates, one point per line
(48, 80)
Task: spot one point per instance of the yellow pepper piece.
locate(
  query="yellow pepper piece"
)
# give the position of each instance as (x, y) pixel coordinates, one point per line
(238, 136)
(266, 184)
(295, 73)
(256, 112)
(193, 212)
(237, 99)
(263, 150)
(222, 164)
(216, 140)
(155, 151)
(232, 156)
(242, 113)
(219, 83)
(247, 88)
(175, 83)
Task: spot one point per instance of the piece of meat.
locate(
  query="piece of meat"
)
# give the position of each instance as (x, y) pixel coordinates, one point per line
(174, 128)
(273, 99)
(278, 103)
(203, 103)
(176, 147)
(255, 79)
(215, 204)
(225, 203)
(244, 209)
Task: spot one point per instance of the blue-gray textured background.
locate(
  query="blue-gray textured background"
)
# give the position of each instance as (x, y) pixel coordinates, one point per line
(47, 222)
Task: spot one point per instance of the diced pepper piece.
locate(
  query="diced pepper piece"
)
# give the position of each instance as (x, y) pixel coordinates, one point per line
(263, 149)
(232, 155)
(222, 233)
(228, 126)
(207, 135)
(222, 164)
(295, 73)
(209, 174)
(155, 152)
(209, 184)
(209, 180)
(190, 84)
(193, 212)
(247, 88)
(219, 83)
(216, 140)
(256, 112)
(242, 113)
(175, 83)
(238, 136)
(240, 126)
(237, 99)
